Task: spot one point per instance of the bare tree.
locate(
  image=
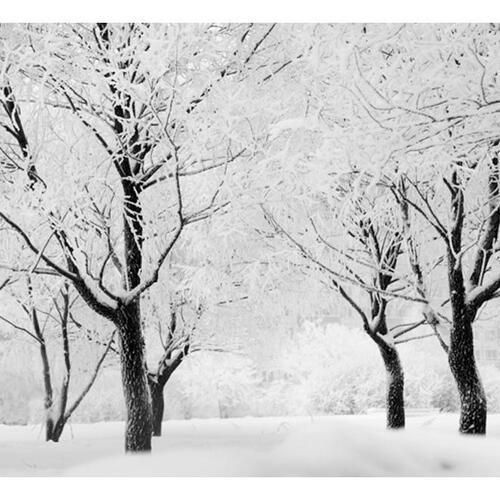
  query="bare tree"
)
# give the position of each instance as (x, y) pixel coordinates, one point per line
(58, 408)
(468, 231)
(177, 344)
(436, 141)
(364, 262)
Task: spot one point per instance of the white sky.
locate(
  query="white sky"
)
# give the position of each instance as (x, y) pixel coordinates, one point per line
(256, 10)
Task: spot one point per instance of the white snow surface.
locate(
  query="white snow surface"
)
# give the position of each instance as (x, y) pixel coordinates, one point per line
(272, 446)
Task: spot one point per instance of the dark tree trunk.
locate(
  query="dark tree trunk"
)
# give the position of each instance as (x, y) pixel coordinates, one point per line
(47, 382)
(395, 404)
(395, 385)
(157, 382)
(132, 352)
(473, 408)
(157, 403)
(473, 405)
(59, 421)
(49, 428)
(55, 430)
(461, 351)
(134, 380)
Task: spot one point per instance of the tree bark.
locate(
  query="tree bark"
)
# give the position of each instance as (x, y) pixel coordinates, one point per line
(134, 380)
(47, 379)
(395, 405)
(59, 421)
(157, 382)
(395, 400)
(49, 428)
(473, 407)
(461, 351)
(56, 429)
(157, 403)
(132, 352)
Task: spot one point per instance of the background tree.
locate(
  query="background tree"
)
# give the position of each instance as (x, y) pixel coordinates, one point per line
(39, 324)
(355, 246)
(176, 338)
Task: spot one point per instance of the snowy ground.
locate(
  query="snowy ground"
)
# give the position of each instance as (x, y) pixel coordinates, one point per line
(282, 446)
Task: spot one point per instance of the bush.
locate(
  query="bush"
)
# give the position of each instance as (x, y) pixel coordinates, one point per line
(316, 371)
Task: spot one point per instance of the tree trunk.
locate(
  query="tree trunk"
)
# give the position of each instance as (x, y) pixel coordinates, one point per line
(48, 399)
(462, 362)
(157, 382)
(134, 380)
(461, 351)
(395, 403)
(47, 379)
(157, 403)
(49, 428)
(55, 429)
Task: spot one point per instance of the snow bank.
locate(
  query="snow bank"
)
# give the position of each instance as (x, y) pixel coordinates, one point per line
(320, 446)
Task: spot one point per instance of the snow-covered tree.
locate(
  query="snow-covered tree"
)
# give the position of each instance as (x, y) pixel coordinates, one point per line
(430, 92)
(143, 131)
(47, 316)
(353, 243)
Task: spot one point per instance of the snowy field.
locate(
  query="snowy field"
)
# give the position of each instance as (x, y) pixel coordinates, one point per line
(278, 446)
